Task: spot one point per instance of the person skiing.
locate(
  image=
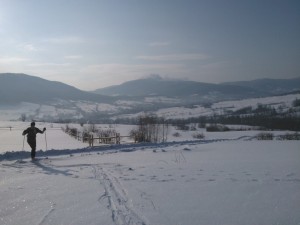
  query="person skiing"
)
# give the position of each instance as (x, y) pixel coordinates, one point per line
(31, 137)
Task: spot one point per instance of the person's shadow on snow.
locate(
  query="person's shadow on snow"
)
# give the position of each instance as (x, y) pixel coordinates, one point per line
(50, 170)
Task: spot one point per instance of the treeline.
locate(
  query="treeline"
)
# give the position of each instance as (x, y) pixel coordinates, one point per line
(281, 123)
(263, 116)
(288, 122)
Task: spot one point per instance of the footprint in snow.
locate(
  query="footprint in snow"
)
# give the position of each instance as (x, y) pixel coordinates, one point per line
(290, 175)
(233, 179)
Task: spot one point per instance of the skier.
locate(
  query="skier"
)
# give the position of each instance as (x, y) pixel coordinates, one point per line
(31, 137)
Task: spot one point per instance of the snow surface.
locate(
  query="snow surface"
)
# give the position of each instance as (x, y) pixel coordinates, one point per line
(226, 179)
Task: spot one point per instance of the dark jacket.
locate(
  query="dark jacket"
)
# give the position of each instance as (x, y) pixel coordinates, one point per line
(31, 133)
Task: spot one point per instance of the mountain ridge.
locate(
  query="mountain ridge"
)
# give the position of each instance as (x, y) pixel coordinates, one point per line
(179, 88)
(274, 86)
(19, 87)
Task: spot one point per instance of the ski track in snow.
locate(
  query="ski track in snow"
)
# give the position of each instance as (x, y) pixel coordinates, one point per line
(44, 219)
(120, 205)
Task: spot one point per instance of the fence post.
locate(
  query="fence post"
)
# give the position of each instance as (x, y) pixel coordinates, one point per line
(118, 138)
(90, 140)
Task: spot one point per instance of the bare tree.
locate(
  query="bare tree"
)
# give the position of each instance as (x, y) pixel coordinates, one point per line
(23, 117)
(150, 129)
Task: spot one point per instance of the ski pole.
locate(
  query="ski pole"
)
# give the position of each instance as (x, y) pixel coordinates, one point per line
(46, 140)
(23, 143)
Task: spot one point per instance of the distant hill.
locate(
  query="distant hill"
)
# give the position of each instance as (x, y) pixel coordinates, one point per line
(15, 88)
(271, 86)
(179, 88)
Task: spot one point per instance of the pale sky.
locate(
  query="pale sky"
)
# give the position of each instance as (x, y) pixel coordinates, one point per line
(91, 44)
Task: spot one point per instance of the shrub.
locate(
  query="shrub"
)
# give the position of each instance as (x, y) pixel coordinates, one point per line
(182, 127)
(264, 136)
(198, 136)
(150, 129)
(136, 135)
(85, 136)
(176, 134)
(73, 132)
(106, 133)
(193, 127)
(289, 136)
(296, 102)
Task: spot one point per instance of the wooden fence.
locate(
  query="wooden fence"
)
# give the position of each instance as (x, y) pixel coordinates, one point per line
(104, 140)
(93, 139)
(97, 138)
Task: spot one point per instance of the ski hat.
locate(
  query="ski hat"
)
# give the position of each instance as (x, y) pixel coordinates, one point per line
(32, 124)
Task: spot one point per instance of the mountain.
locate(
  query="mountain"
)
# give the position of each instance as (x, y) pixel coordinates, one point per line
(272, 86)
(15, 88)
(177, 88)
(157, 86)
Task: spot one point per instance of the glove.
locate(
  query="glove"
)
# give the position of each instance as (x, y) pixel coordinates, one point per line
(44, 128)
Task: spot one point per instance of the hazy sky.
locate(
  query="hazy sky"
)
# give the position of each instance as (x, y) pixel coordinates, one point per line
(96, 43)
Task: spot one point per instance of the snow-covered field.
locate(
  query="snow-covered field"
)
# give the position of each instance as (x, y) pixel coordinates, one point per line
(227, 179)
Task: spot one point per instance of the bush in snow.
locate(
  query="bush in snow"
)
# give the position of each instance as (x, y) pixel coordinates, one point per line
(296, 102)
(23, 117)
(182, 127)
(106, 135)
(134, 134)
(193, 127)
(289, 136)
(176, 134)
(265, 136)
(92, 128)
(198, 136)
(73, 132)
(150, 129)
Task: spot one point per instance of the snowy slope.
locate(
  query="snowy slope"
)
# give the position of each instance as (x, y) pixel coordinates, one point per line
(220, 108)
(228, 178)
(220, 182)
